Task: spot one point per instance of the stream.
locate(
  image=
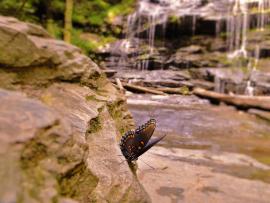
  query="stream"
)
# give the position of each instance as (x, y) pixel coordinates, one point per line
(210, 153)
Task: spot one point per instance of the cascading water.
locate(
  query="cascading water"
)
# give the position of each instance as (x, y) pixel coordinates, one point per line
(233, 17)
(147, 16)
(238, 25)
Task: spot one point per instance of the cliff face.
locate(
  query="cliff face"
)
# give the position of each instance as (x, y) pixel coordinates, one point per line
(60, 122)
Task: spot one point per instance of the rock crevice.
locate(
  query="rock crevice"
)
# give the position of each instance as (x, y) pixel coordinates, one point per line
(60, 126)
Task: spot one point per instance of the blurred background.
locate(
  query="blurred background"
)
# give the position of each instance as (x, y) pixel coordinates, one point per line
(201, 68)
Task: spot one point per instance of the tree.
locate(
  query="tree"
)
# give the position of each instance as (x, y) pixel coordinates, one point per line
(68, 20)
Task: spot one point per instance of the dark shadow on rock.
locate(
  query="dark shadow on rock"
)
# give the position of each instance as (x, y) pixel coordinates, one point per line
(175, 193)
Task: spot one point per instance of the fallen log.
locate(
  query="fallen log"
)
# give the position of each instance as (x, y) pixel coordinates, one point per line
(171, 90)
(261, 114)
(241, 101)
(137, 88)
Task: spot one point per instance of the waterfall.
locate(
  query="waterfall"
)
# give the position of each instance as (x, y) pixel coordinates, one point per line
(153, 15)
(237, 27)
(148, 15)
(238, 24)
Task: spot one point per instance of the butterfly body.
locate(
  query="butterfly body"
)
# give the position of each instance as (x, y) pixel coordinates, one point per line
(134, 143)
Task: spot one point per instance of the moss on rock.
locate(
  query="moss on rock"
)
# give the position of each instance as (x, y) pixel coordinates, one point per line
(78, 183)
(123, 119)
(94, 125)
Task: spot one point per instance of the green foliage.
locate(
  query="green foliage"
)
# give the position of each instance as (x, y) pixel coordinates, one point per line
(174, 19)
(54, 29)
(89, 42)
(86, 46)
(58, 5)
(9, 7)
(123, 8)
(94, 16)
(100, 12)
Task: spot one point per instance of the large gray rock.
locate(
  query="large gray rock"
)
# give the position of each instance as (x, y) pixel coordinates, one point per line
(193, 57)
(27, 46)
(92, 123)
(17, 48)
(32, 139)
(59, 138)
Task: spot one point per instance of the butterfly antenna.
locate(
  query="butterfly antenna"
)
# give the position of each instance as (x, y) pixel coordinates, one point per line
(147, 164)
(151, 114)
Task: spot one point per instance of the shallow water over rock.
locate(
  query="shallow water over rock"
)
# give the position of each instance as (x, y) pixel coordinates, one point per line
(211, 153)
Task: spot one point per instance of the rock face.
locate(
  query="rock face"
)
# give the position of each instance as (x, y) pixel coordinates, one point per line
(60, 122)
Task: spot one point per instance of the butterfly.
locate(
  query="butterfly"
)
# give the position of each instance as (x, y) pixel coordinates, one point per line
(134, 143)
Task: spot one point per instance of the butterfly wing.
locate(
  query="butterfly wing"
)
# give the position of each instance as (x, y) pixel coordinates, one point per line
(144, 133)
(127, 144)
(132, 143)
(150, 144)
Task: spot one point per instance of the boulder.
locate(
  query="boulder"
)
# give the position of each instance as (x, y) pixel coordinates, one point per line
(195, 57)
(33, 142)
(60, 128)
(27, 46)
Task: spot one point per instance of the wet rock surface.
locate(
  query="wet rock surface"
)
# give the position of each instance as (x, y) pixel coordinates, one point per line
(223, 80)
(210, 153)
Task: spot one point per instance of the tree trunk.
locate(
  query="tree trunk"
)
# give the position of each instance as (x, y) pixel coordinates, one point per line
(68, 21)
